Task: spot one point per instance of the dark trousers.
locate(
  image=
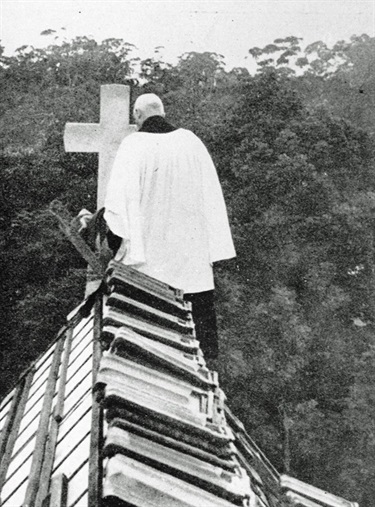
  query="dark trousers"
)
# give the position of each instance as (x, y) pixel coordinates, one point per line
(204, 316)
(203, 310)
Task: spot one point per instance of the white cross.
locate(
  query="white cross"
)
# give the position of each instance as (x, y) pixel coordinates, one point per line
(104, 137)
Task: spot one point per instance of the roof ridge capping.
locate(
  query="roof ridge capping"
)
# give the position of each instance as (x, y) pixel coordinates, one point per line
(152, 385)
(303, 494)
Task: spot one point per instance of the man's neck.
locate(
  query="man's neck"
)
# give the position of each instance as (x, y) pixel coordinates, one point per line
(156, 125)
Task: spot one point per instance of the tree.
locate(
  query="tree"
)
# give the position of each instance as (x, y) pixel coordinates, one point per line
(301, 188)
(341, 77)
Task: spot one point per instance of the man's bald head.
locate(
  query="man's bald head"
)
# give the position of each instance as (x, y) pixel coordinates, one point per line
(145, 106)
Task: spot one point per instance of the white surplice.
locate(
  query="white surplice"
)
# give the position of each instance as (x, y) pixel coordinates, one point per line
(165, 200)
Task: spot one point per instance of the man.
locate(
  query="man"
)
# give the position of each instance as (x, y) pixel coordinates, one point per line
(165, 202)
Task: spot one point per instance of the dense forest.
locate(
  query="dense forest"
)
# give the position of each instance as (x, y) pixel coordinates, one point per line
(293, 145)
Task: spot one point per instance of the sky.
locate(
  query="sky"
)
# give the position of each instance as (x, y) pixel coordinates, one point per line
(227, 27)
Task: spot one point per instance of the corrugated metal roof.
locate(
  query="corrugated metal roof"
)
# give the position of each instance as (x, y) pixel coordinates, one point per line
(157, 431)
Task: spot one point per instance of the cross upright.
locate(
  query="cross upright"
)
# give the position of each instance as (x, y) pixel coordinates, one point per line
(104, 137)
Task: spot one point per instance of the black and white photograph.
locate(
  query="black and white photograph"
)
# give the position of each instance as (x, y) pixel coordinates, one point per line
(187, 253)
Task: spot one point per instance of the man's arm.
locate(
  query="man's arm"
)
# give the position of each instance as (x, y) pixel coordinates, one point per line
(122, 202)
(219, 233)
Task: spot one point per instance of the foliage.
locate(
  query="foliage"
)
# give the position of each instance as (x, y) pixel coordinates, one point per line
(293, 147)
(340, 78)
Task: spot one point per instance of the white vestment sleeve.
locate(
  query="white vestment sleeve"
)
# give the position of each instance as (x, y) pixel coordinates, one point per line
(122, 202)
(219, 235)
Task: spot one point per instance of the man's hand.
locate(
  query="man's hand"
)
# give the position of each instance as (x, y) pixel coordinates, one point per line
(84, 217)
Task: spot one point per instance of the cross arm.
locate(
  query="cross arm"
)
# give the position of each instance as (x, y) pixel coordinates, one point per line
(82, 137)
